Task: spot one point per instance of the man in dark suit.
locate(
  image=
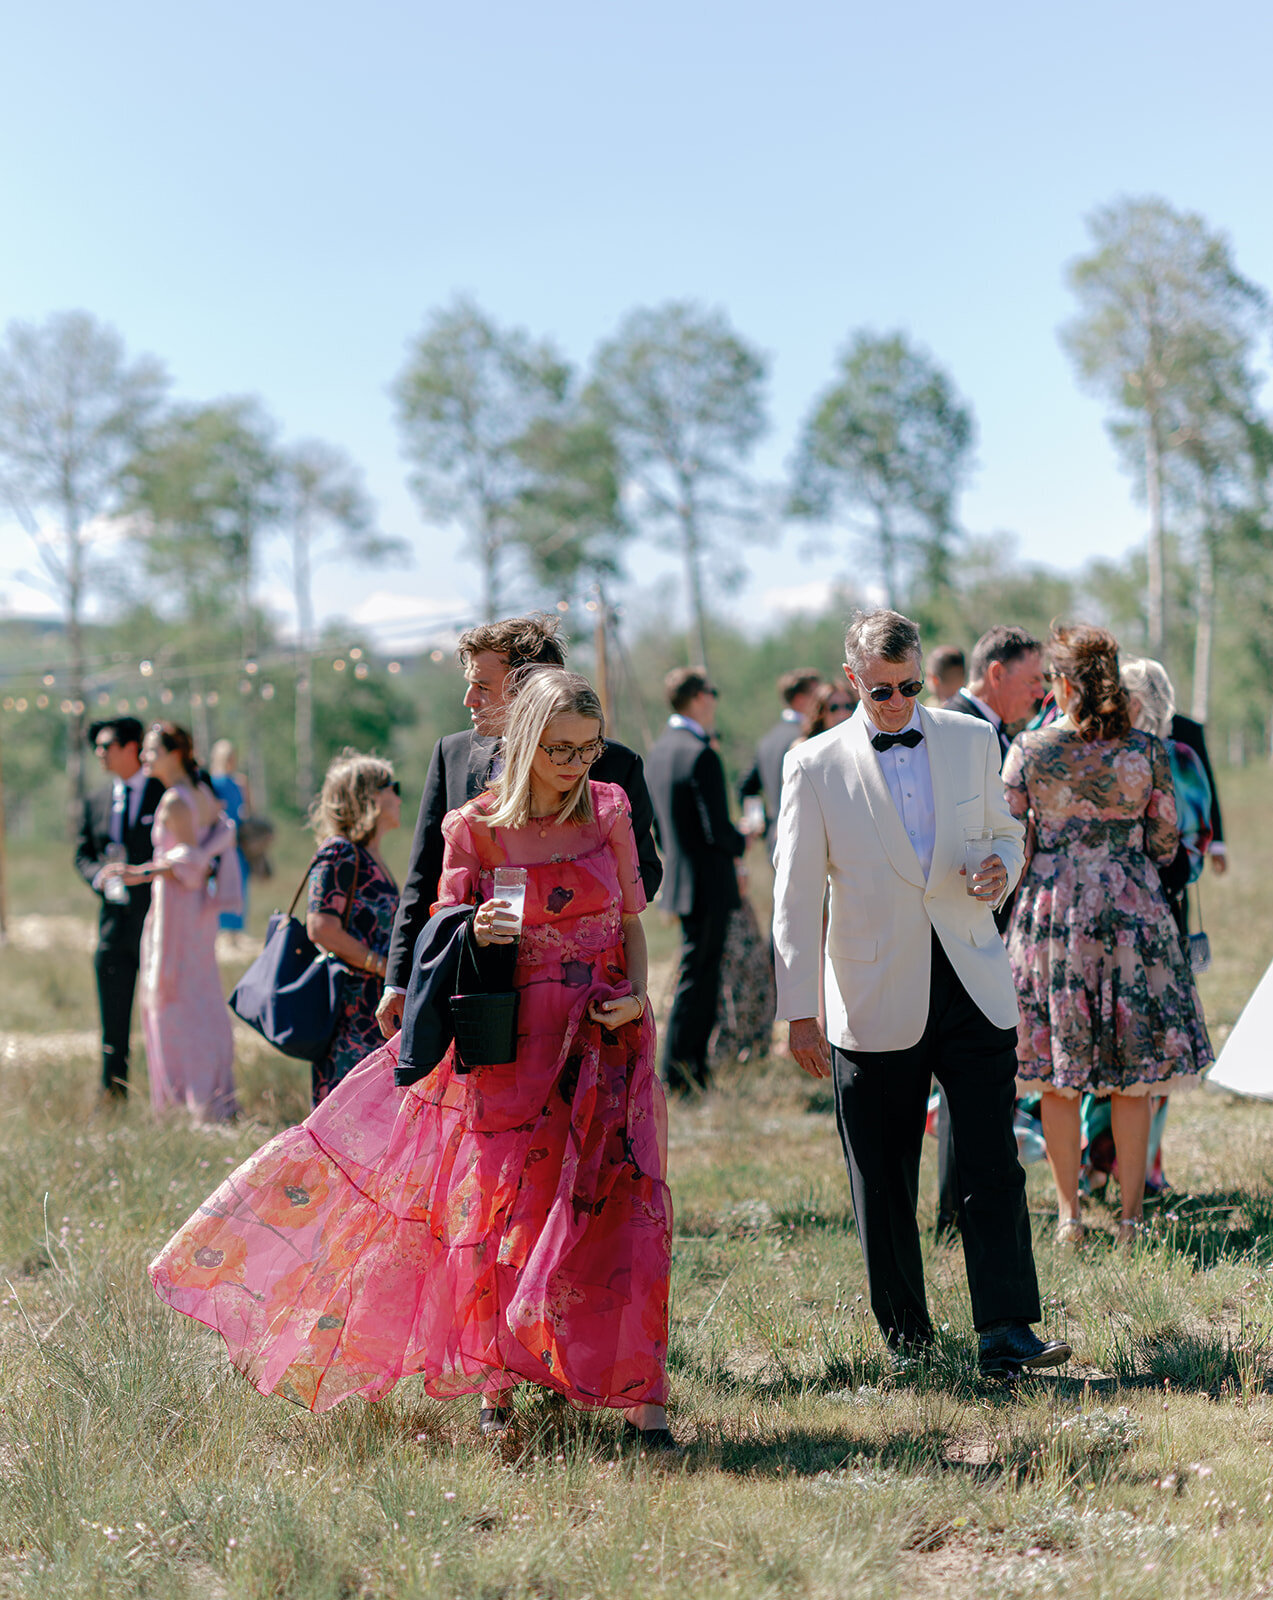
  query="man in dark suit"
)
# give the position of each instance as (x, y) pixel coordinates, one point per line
(700, 846)
(1005, 685)
(116, 826)
(1186, 731)
(798, 690)
(463, 764)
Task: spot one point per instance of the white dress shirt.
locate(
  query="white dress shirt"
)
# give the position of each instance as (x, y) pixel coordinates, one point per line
(990, 714)
(910, 782)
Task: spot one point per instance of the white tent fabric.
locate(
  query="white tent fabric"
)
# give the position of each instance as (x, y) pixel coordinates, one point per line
(1245, 1065)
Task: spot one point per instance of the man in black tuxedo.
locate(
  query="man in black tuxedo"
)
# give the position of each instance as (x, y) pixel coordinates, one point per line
(799, 690)
(116, 826)
(463, 764)
(701, 847)
(1005, 685)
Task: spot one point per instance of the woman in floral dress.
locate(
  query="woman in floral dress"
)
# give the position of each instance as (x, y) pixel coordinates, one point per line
(1108, 1003)
(480, 1230)
(352, 901)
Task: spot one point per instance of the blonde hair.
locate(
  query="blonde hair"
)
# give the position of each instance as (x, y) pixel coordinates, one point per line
(1146, 681)
(221, 758)
(347, 805)
(537, 695)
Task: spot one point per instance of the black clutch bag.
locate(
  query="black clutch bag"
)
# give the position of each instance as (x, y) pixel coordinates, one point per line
(484, 1013)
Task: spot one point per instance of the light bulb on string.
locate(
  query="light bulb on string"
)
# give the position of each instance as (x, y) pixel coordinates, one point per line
(48, 680)
(267, 691)
(395, 667)
(145, 668)
(42, 701)
(355, 654)
(338, 665)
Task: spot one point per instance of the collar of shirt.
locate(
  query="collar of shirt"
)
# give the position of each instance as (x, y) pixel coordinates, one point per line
(788, 715)
(676, 720)
(910, 783)
(992, 717)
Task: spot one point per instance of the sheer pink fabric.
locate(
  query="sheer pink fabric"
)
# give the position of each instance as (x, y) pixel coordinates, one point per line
(478, 1230)
(184, 1017)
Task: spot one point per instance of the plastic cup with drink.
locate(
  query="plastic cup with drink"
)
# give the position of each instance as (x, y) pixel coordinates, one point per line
(979, 846)
(114, 888)
(510, 887)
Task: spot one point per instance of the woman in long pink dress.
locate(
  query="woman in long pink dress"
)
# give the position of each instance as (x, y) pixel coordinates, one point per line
(195, 871)
(480, 1230)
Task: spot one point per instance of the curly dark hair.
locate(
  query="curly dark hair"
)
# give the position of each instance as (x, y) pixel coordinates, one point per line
(1087, 658)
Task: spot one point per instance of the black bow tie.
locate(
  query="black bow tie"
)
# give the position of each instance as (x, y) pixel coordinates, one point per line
(886, 741)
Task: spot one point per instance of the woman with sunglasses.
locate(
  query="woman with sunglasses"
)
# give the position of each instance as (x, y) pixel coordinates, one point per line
(833, 704)
(487, 1229)
(352, 900)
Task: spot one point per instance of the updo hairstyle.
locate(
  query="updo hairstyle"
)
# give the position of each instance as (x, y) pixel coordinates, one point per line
(178, 741)
(1087, 658)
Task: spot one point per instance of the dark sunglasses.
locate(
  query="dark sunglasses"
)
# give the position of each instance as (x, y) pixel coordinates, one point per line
(886, 691)
(395, 786)
(841, 705)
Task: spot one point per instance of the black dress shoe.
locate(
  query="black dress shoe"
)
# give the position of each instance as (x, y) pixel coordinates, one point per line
(658, 1441)
(1011, 1347)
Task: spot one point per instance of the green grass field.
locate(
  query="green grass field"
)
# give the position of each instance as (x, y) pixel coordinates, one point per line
(134, 1462)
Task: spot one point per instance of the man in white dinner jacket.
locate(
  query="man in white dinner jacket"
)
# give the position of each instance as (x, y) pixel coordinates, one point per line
(917, 982)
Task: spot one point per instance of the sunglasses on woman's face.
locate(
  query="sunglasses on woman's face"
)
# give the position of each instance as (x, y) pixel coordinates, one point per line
(840, 705)
(395, 786)
(886, 691)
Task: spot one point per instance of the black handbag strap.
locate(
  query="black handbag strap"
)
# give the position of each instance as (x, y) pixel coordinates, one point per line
(349, 902)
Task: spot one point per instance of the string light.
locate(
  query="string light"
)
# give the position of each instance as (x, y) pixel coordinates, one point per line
(437, 655)
(48, 680)
(395, 667)
(267, 691)
(212, 697)
(356, 653)
(251, 668)
(361, 670)
(42, 701)
(338, 665)
(145, 668)
(563, 606)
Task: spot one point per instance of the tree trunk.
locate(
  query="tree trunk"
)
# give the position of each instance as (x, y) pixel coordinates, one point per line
(1206, 586)
(304, 668)
(697, 635)
(1156, 586)
(76, 691)
(888, 559)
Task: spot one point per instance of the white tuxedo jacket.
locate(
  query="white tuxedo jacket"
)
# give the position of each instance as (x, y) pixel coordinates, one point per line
(838, 822)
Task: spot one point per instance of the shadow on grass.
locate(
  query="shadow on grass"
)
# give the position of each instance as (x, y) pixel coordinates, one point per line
(1223, 1225)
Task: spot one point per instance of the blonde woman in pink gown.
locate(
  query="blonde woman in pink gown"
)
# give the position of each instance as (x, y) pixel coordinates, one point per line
(195, 872)
(479, 1230)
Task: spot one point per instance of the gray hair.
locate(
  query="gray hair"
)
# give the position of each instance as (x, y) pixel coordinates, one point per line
(1146, 681)
(887, 634)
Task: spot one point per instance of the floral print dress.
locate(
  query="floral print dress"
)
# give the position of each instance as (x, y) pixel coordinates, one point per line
(1108, 1002)
(478, 1230)
(340, 869)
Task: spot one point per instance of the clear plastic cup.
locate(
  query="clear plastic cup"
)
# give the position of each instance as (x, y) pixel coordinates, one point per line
(115, 889)
(978, 847)
(754, 813)
(510, 885)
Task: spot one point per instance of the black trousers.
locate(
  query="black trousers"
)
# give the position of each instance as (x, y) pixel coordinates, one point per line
(117, 968)
(880, 1100)
(693, 1014)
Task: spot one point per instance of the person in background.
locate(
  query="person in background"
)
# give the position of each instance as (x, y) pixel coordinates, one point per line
(701, 847)
(194, 870)
(1184, 730)
(1108, 1003)
(833, 703)
(799, 690)
(464, 764)
(944, 674)
(115, 827)
(353, 900)
(1005, 683)
(232, 790)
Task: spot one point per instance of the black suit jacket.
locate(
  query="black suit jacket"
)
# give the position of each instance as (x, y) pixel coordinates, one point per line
(699, 842)
(459, 770)
(765, 776)
(119, 926)
(961, 702)
(1186, 731)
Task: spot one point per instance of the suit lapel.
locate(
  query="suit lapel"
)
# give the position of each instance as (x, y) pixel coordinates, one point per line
(944, 842)
(888, 824)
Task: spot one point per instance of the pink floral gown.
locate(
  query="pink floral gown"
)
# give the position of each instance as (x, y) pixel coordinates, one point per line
(184, 1016)
(479, 1230)
(1108, 1002)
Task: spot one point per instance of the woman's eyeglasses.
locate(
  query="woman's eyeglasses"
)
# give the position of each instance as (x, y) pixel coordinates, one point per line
(886, 691)
(841, 705)
(394, 785)
(565, 755)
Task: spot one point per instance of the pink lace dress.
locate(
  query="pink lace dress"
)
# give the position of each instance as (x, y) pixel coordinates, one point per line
(480, 1230)
(184, 1017)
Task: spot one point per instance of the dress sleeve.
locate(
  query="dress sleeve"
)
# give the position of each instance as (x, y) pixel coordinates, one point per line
(331, 879)
(1162, 832)
(1018, 795)
(622, 842)
(461, 866)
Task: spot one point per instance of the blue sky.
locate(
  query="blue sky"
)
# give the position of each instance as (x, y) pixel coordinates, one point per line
(272, 197)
